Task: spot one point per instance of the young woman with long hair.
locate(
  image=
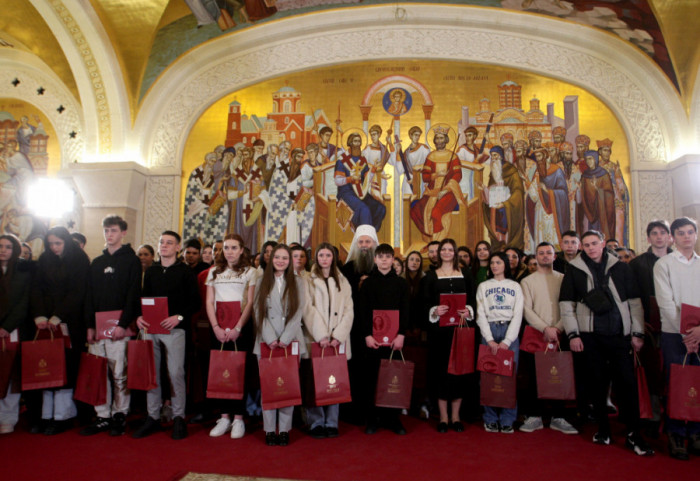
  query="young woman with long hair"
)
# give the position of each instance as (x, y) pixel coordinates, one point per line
(447, 278)
(330, 322)
(57, 298)
(499, 302)
(515, 260)
(232, 279)
(480, 262)
(413, 273)
(15, 279)
(279, 304)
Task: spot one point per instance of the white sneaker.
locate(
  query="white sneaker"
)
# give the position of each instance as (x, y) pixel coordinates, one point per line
(221, 428)
(532, 423)
(563, 426)
(237, 429)
(7, 428)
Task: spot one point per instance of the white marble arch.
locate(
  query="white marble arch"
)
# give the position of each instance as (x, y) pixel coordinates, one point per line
(694, 141)
(619, 74)
(33, 73)
(97, 73)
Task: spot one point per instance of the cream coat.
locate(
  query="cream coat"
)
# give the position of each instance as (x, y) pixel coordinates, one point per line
(339, 303)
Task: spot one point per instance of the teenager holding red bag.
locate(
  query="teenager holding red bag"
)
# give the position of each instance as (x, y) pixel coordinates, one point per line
(232, 279)
(279, 303)
(330, 323)
(499, 302)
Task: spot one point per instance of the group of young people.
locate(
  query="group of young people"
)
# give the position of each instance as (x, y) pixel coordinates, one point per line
(284, 305)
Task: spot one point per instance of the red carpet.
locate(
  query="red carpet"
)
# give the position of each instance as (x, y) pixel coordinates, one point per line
(423, 454)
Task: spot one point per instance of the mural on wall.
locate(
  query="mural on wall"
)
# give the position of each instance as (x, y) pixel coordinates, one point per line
(27, 152)
(421, 150)
(631, 20)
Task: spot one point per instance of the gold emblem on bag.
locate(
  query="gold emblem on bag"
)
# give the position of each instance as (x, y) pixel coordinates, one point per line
(554, 371)
(226, 374)
(692, 392)
(42, 363)
(331, 380)
(280, 381)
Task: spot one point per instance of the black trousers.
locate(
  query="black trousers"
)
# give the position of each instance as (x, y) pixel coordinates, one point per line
(609, 358)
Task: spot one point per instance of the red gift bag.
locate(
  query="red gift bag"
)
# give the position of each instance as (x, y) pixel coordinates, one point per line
(554, 371)
(498, 391)
(331, 379)
(91, 386)
(462, 352)
(226, 374)
(43, 364)
(140, 367)
(279, 381)
(7, 363)
(502, 363)
(394, 383)
(533, 341)
(684, 388)
(645, 411)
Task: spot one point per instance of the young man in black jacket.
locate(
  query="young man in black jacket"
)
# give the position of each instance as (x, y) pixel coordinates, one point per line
(114, 285)
(383, 290)
(176, 281)
(659, 236)
(603, 329)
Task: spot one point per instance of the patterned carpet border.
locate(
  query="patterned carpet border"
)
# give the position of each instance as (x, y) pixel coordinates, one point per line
(225, 477)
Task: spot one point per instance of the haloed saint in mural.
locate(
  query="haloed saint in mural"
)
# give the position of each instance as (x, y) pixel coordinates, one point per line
(416, 156)
(23, 157)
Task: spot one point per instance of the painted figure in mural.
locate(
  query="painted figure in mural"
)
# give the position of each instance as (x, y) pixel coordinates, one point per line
(573, 180)
(398, 103)
(526, 168)
(508, 149)
(503, 203)
(414, 155)
(442, 195)
(280, 203)
(622, 197)
(598, 197)
(552, 152)
(206, 207)
(266, 162)
(327, 149)
(300, 187)
(16, 174)
(317, 159)
(246, 186)
(468, 153)
(535, 140)
(258, 149)
(25, 132)
(313, 155)
(353, 177)
(582, 144)
(558, 135)
(377, 156)
(549, 192)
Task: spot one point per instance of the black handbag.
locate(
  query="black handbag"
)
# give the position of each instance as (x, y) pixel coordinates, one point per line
(599, 299)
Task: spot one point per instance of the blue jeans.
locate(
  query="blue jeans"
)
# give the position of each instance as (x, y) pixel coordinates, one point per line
(502, 416)
(674, 351)
(324, 416)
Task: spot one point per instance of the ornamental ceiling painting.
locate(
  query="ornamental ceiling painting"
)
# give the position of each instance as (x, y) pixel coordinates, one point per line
(631, 20)
(306, 157)
(149, 36)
